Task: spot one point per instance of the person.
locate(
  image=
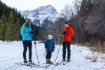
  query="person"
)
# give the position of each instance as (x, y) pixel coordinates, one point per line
(26, 33)
(67, 35)
(49, 46)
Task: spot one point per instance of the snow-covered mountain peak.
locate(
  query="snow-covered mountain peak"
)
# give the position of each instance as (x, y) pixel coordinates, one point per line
(40, 14)
(46, 9)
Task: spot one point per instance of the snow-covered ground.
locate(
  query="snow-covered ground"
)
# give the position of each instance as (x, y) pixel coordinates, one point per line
(81, 57)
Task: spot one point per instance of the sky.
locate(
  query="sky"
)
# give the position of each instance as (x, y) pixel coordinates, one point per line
(22, 5)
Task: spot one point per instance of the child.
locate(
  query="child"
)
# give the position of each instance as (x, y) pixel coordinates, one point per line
(49, 46)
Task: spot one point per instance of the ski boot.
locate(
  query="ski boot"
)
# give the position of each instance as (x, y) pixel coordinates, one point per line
(48, 61)
(63, 62)
(25, 62)
(31, 62)
(68, 60)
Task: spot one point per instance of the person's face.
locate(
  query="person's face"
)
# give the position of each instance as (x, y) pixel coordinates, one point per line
(28, 23)
(65, 24)
(49, 37)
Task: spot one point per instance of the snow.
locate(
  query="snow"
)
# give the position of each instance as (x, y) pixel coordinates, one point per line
(81, 57)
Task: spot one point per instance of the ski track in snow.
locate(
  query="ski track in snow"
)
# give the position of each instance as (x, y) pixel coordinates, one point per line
(11, 53)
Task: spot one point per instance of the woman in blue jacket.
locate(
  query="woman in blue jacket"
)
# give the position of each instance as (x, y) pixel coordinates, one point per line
(26, 33)
(49, 46)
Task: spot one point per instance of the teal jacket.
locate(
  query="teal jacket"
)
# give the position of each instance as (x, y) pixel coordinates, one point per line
(25, 32)
(49, 45)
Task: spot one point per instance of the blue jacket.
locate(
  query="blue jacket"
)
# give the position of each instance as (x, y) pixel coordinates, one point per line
(25, 32)
(50, 45)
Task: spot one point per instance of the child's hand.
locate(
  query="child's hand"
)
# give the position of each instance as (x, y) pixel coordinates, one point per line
(46, 50)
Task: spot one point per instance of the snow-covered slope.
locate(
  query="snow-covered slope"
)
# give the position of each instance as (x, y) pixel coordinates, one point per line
(41, 14)
(81, 57)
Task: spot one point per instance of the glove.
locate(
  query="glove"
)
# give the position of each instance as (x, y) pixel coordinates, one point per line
(65, 32)
(46, 49)
(32, 32)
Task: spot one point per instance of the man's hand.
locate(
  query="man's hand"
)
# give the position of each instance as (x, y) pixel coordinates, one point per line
(65, 32)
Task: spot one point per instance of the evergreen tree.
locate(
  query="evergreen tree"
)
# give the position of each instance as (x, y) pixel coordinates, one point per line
(10, 22)
(10, 27)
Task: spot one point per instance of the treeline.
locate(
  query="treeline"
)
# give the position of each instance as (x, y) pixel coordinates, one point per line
(10, 22)
(90, 22)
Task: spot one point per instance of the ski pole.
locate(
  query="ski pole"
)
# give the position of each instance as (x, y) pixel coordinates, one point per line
(58, 49)
(36, 53)
(57, 54)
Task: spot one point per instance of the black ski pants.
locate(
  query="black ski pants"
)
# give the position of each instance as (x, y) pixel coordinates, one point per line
(48, 55)
(29, 45)
(66, 45)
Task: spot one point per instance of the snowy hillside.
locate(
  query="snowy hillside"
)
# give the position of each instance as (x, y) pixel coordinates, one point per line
(42, 13)
(81, 58)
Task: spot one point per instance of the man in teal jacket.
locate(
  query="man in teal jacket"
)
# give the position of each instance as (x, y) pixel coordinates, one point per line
(26, 33)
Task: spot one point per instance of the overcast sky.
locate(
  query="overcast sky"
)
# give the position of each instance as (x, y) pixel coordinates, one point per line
(21, 5)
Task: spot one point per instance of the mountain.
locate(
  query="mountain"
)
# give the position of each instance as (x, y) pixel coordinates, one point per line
(42, 15)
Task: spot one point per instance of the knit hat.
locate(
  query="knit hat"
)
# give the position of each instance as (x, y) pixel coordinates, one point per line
(28, 20)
